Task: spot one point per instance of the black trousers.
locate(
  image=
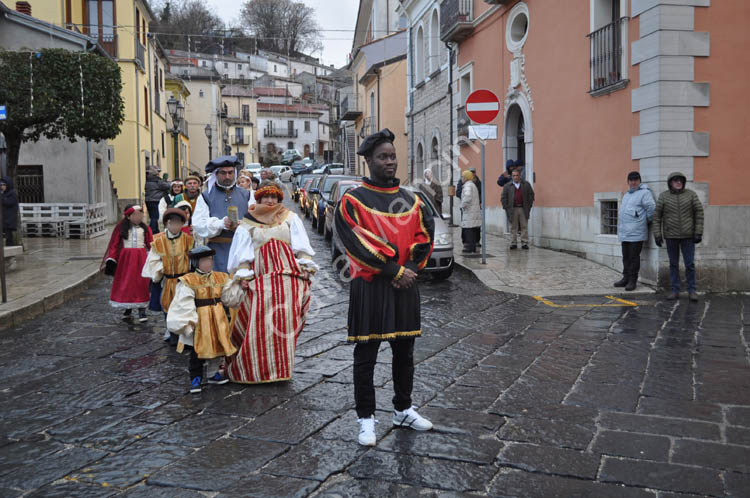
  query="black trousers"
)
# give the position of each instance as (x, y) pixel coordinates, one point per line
(631, 259)
(8, 233)
(196, 364)
(365, 356)
(153, 215)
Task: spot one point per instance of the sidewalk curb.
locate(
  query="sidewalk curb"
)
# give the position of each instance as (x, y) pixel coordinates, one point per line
(589, 292)
(30, 311)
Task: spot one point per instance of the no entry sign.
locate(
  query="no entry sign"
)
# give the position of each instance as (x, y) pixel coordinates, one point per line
(482, 106)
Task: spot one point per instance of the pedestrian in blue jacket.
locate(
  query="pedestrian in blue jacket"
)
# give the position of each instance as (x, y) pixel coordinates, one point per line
(636, 211)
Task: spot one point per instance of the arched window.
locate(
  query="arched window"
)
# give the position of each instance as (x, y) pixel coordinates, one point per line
(434, 42)
(419, 57)
(437, 172)
(419, 170)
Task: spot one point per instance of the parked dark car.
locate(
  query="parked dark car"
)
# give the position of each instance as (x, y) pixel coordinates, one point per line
(298, 182)
(310, 191)
(303, 166)
(339, 188)
(319, 199)
(302, 193)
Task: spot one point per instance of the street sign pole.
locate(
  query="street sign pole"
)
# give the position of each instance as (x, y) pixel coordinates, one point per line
(483, 106)
(484, 210)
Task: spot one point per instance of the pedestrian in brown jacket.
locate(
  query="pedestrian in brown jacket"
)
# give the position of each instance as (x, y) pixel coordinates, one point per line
(517, 199)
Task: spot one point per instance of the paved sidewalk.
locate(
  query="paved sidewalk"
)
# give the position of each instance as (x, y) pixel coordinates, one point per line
(539, 272)
(49, 272)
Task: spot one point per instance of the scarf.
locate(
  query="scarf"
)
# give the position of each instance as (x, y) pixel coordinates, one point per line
(268, 215)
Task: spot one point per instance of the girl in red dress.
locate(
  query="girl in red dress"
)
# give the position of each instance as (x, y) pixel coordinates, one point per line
(124, 259)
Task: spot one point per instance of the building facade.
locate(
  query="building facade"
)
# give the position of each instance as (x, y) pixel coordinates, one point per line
(428, 106)
(283, 126)
(594, 90)
(241, 108)
(53, 171)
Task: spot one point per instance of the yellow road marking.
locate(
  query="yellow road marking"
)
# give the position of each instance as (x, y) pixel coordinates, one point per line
(618, 303)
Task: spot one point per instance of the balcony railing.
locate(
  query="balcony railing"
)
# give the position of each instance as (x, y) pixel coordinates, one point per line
(607, 56)
(109, 43)
(274, 133)
(456, 18)
(237, 140)
(369, 126)
(349, 108)
(140, 55)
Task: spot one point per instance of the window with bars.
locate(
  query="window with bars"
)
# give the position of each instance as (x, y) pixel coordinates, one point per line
(609, 217)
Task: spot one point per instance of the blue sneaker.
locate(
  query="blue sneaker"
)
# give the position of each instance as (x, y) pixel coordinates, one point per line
(218, 379)
(195, 385)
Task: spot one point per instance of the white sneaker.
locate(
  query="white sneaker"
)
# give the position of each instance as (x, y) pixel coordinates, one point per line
(367, 431)
(410, 418)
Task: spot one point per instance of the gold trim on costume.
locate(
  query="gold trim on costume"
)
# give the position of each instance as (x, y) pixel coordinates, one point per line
(383, 337)
(381, 190)
(400, 273)
(382, 213)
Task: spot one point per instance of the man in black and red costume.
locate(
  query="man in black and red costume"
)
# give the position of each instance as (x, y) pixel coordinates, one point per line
(388, 237)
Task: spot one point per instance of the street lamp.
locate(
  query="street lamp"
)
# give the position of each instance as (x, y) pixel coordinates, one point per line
(209, 133)
(177, 111)
(225, 138)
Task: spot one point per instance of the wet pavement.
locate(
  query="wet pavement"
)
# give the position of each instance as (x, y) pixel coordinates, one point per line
(579, 396)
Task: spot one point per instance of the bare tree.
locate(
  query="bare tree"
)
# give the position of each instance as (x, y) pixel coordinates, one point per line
(193, 19)
(283, 26)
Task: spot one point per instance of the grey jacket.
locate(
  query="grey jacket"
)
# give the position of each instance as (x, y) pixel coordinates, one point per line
(155, 188)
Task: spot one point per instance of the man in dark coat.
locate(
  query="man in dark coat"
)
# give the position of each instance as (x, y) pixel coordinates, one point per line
(156, 189)
(517, 199)
(10, 209)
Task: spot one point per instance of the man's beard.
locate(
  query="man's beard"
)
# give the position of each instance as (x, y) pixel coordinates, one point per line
(192, 196)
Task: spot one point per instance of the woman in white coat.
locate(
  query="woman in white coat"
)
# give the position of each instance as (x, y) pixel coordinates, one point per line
(471, 212)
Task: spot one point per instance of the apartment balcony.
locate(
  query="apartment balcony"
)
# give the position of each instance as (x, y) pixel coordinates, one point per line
(289, 133)
(237, 140)
(349, 109)
(608, 57)
(369, 126)
(108, 41)
(456, 18)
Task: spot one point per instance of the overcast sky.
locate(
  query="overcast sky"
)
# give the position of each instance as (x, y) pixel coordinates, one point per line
(332, 15)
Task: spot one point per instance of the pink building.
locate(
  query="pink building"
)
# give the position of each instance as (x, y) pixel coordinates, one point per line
(593, 89)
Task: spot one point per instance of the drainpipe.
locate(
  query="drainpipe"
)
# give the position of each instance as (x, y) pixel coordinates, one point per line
(150, 96)
(377, 71)
(137, 113)
(450, 99)
(411, 96)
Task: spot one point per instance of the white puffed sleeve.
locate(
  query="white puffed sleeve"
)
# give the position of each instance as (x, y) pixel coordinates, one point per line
(301, 247)
(182, 315)
(241, 254)
(154, 267)
(162, 207)
(206, 226)
(232, 294)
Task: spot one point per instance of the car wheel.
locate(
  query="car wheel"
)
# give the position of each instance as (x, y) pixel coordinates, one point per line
(314, 222)
(443, 274)
(327, 234)
(321, 225)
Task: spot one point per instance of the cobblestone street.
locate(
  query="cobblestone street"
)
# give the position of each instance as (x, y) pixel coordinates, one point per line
(576, 397)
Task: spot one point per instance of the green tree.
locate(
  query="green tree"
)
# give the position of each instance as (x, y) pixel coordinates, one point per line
(58, 94)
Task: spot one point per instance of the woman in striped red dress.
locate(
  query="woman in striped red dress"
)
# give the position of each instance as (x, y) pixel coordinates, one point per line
(271, 259)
